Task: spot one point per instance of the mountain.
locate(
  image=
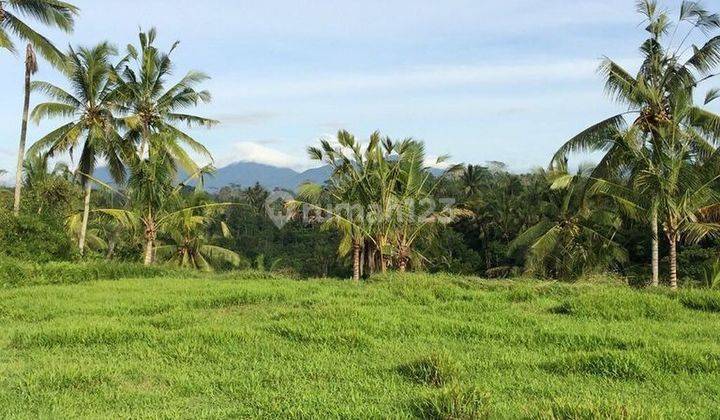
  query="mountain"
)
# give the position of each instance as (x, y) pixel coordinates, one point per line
(247, 174)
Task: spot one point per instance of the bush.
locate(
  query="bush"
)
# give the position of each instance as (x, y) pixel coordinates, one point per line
(34, 238)
(437, 370)
(15, 273)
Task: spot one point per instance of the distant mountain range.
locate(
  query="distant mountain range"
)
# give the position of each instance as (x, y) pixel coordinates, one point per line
(247, 174)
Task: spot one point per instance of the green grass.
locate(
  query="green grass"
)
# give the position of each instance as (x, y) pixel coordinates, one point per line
(415, 346)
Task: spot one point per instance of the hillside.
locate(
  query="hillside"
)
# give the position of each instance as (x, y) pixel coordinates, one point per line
(438, 347)
(247, 174)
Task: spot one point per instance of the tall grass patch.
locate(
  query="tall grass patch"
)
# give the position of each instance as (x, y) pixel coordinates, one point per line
(616, 304)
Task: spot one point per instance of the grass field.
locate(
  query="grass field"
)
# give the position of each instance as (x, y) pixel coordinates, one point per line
(416, 346)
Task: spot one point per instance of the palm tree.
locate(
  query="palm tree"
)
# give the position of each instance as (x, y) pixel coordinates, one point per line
(579, 239)
(30, 69)
(666, 71)
(471, 180)
(90, 107)
(52, 190)
(345, 190)
(378, 196)
(153, 202)
(150, 107)
(51, 13)
(189, 247)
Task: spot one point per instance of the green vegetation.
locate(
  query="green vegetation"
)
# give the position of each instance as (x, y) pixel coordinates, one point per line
(440, 346)
(128, 300)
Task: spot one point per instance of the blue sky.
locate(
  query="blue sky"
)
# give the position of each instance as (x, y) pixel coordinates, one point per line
(480, 80)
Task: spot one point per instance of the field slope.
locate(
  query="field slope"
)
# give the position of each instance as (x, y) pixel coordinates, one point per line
(416, 346)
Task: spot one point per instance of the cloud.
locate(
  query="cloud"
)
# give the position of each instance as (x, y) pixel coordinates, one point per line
(257, 152)
(253, 118)
(417, 78)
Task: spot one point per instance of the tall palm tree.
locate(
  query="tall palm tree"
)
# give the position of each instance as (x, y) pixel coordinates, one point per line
(51, 13)
(668, 69)
(31, 68)
(89, 105)
(149, 106)
(345, 190)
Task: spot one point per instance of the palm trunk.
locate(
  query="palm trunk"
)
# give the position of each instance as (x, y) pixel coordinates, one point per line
(86, 216)
(672, 237)
(362, 261)
(383, 261)
(149, 239)
(148, 252)
(30, 68)
(144, 141)
(356, 261)
(655, 249)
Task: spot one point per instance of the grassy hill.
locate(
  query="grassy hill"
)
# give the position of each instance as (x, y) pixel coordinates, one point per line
(398, 346)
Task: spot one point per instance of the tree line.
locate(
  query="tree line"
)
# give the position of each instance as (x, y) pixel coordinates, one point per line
(654, 188)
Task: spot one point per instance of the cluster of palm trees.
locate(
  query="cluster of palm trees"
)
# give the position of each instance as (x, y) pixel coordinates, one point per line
(660, 160)
(381, 197)
(124, 112)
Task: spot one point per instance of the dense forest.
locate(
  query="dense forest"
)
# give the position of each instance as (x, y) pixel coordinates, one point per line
(646, 212)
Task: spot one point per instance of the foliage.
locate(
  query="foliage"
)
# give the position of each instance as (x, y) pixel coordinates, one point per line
(52, 13)
(34, 237)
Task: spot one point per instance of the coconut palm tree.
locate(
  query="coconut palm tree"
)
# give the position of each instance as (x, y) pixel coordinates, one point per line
(472, 178)
(52, 190)
(52, 13)
(345, 190)
(379, 195)
(30, 69)
(189, 247)
(668, 69)
(150, 106)
(89, 105)
(579, 239)
(154, 202)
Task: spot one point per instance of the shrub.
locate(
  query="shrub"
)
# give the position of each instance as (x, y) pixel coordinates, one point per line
(437, 370)
(455, 402)
(34, 238)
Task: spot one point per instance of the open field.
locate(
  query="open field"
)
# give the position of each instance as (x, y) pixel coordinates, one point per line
(399, 346)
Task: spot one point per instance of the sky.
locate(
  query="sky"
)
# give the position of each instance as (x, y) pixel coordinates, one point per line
(478, 80)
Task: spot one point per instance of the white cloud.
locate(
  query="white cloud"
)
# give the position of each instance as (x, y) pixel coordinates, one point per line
(416, 78)
(257, 152)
